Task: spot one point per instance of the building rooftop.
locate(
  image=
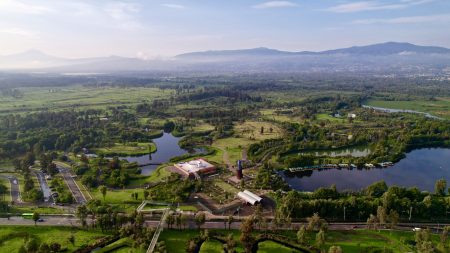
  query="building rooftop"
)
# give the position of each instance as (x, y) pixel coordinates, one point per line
(194, 166)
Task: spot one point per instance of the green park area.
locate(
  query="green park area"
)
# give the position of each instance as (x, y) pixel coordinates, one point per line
(352, 241)
(439, 107)
(127, 149)
(12, 238)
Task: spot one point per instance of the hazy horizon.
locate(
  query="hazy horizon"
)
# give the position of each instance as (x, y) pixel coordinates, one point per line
(149, 29)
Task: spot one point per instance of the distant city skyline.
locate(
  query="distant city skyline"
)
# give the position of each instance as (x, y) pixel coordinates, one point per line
(158, 28)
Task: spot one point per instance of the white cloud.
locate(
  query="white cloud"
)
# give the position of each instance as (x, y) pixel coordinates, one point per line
(173, 6)
(405, 20)
(375, 5)
(23, 7)
(124, 14)
(19, 32)
(275, 4)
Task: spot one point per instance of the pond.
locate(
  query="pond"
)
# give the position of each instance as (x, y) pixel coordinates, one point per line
(421, 168)
(167, 147)
(354, 152)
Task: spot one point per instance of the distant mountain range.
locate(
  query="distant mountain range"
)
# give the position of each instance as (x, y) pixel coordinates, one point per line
(384, 57)
(382, 49)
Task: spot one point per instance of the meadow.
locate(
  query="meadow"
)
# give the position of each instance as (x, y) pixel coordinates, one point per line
(439, 107)
(12, 237)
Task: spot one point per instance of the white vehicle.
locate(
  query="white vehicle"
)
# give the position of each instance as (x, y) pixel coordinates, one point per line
(14, 181)
(416, 229)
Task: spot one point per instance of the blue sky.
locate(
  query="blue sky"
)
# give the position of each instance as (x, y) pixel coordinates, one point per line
(155, 28)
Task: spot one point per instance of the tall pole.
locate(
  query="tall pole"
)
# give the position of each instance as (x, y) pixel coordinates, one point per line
(410, 213)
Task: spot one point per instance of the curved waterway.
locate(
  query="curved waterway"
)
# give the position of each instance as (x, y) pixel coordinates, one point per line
(421, 168)
(401, 110)
(167, 147)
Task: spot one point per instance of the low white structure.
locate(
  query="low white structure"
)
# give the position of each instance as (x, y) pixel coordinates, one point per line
(198, 166)
(249, 197)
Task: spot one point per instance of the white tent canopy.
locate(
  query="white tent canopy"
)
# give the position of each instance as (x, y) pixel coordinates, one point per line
(249, 197)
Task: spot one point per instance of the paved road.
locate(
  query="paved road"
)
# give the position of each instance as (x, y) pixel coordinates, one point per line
(48, 221)
(15, 188)
(44, 186)
(67, 175)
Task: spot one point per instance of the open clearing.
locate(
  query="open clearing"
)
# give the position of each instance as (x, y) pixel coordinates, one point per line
(127, 149)
(440, 107)
(48, 235)
(36, 99)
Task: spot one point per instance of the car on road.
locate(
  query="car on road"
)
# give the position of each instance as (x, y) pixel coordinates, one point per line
(40, 220)
(14, 181)
(416, 229)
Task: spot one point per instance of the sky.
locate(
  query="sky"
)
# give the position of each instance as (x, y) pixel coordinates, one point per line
(151, 29)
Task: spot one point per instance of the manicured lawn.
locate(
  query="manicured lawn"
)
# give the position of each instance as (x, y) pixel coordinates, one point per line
(41, 210)
(270, 247)
(350, 241)
(119, 196)
(188, 208)
(48, 235)
(127, 149)
(157, 175)
(211, 246)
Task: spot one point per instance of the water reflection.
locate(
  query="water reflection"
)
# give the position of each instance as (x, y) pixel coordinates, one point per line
(420, 168)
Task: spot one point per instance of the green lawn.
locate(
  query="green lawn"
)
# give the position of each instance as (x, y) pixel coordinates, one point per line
(47, 235)
(270, 247)
(127, 149)
(79, 97)
(440, 107)
(119, 196)
(350, 241)
(211, 246)
(5, 182)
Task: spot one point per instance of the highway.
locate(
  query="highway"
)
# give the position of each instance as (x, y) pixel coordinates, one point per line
(15, 188)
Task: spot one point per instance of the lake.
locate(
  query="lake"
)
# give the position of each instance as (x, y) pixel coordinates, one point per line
(421, 168)
(167, 147)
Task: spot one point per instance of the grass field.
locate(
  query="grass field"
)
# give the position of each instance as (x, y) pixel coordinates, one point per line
(48, 235)
(270, 247)
(36, 99)
(127, 149)
(119, 196)
(211, 246)
(350, 241)
(7, 184)
(440, 107)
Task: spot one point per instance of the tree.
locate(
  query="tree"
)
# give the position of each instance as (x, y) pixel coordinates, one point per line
(262, 130)
(230, 221)
(316, 223)
(230, 244)
(170, 220)
(103, 190)
(320, 238)
(184, 220)
(146, 194)
(36, 217)
(393, 218)
(246, 234)
(372, 222)
(335, 249)
(440, 187)
(301, 235)
(200, 219)
(381, 215)
(82, 213)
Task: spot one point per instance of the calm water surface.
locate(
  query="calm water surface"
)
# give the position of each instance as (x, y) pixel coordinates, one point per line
(167, 147)
(420, 168)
